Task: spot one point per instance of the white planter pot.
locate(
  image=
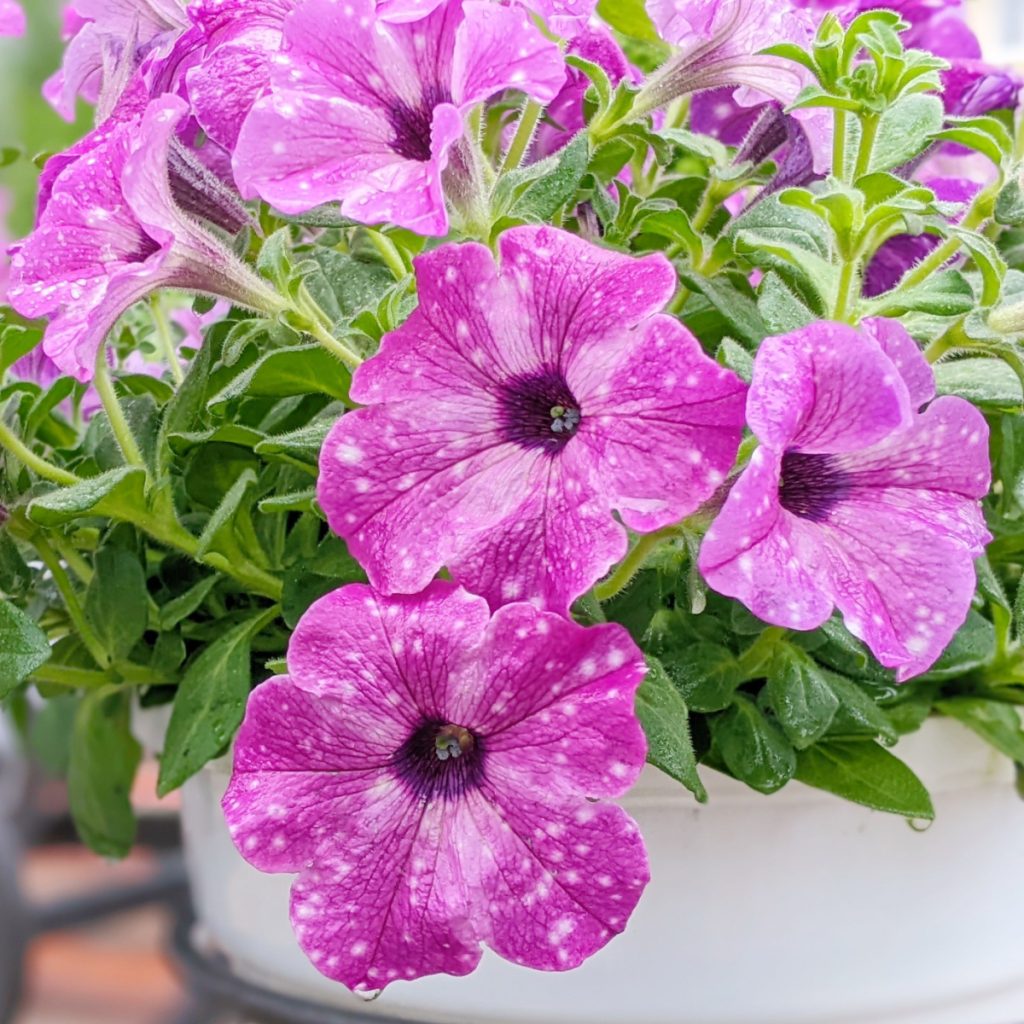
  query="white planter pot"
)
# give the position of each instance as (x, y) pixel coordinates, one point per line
(798, 908)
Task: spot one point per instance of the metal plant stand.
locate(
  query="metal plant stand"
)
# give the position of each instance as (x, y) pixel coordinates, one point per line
(221, 997)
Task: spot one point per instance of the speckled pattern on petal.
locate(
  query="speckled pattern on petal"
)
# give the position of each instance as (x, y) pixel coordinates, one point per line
(429, 773)
(856, 499)
(515, 409)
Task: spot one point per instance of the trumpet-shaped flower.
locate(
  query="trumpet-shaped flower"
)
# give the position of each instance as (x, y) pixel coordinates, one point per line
(366, 111)
(515, 408)
(429, 770)
(863, 495)
(109, 232)
(108, 41)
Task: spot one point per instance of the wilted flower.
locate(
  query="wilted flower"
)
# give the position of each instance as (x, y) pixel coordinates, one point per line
(856, 498)
(515, 409)
(109, 232)
(366, 111)
(428, 770)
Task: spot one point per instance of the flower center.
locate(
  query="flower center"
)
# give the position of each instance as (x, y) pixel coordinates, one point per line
(411, 124)
(538, 410)
(810, 485)
(440, 759)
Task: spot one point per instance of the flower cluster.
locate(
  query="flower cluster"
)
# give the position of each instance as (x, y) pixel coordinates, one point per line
(595, 363)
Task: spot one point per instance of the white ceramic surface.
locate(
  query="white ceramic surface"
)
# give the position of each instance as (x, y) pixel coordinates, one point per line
(797, 908)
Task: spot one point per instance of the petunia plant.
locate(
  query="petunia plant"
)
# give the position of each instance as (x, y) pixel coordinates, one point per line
(443, 407)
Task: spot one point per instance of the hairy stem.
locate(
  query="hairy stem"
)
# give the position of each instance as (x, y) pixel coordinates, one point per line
(528, 120)
(115, 413)
(11, 443)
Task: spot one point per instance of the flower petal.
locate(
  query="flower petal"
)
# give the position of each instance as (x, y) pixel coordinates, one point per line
(386, 654)
(893, 339)
(551, 693)
(405, 484)
(758, 553)
(551, 548)
(561, 880)
(498, 47)
(299, 763)
(825, 388)
(388, 898)
(664, 426)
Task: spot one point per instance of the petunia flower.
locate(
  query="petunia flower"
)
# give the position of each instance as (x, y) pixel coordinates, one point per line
(719, 42)
(12, 18)
(108, 42)
(366, 111)
(863, 495)
(109, 232)
(429, 772)
(515, 408)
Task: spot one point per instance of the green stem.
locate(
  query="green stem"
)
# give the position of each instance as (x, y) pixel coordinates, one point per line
(869, 130)
(337, 348)
(849, 279)
(115, 413)
(73, 678)
(75, 611)
(754, 658)
(708, 205)
(389, 253)
(47, 470)
(163, 335)
(174, 535)
(632, 563)
(528, 119)
(73, 560)
(839, 145)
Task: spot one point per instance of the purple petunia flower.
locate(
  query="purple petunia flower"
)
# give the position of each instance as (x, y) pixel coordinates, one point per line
(109, 232)
(428, 770)
(366, 111)
(856, 498)
(108, 41)
(517, 407)
(12, 18)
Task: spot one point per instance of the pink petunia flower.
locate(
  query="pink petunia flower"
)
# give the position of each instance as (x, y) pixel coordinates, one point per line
(428, 770)
(108, 41)
(366, 111)
(109, 232)
(517, 407)
(856, 497)
(12, 18)
(719, 41)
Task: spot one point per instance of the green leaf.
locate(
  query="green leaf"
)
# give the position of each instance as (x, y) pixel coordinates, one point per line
(800, 695)
(989, 383)
(208, 706)
(858, 716)
(706, 674)
(116, 601)
(546, 196)
(296, 370)
(119, 493)
(211, 470)
(737, 358)
(865, 773)
(103, 762)
(23, 647)
(220, 523)
(973, 645)
(302, 445)
(946, 293)
(180, 608)
(996, 722)
(666, 723)
(343, 286)
(780, 309)
(310, 579)
(15, 576)
(1010, 204)
(904, 130)
(737, 308)
(628, 17)
(754, 749)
